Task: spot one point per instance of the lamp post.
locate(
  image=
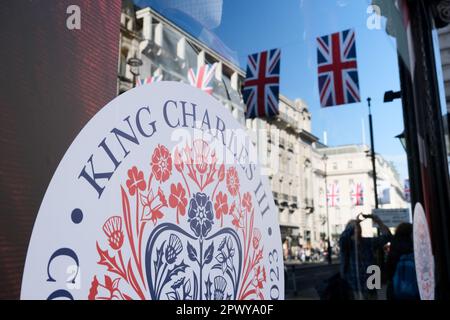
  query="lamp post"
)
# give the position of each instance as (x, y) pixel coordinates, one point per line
(402, 139)
(374, 173)
(372, 155)
(134, 64)
(390, 95)
(330, 252)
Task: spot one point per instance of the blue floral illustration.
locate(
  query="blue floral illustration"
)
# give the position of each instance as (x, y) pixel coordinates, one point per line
(226, 254)
(181, 290)
(225, 261)
(220, 284)
(164, 273)
(178, 260)
(200, 215)
(173, 249)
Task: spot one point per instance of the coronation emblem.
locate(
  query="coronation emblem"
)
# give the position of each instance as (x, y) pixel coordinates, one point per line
(423, 254)
(215, 263)
(155, 216)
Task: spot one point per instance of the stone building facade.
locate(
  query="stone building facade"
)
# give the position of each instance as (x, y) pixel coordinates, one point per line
(348, 166)
(292, 156)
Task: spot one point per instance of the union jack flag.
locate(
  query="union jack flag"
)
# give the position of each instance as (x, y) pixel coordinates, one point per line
(202, 77)
(357, 194)
(261, 85)
(407, 191)
(333, 195)
(147, 80)
(337, 69)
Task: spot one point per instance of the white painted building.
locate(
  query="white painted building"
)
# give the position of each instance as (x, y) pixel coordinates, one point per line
(167, 50)
(347, 166)
(294, 161)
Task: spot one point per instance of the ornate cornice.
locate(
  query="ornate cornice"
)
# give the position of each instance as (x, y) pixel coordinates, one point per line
(441, 12)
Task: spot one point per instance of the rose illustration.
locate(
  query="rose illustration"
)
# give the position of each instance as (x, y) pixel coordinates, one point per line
(161, 163)
(200, 215)
(232, 181)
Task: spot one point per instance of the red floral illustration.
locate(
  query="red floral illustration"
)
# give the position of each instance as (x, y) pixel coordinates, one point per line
(256, 238)
(135, 181)
(179, 165)
(143, 199)
(232, 181)
(113, 230)
(247, 201)
(221, 206)
(107, 291)
(152, 206)
(177, 199)
(201, 163)
(237, 217)
(201, 153)
(253, 254)
(161, 163)
(259, 279)
(221, 173)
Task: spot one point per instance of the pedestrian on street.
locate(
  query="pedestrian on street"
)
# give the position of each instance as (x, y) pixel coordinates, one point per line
(358, 253)
(400, 266)
(302, 254)
(286, 250)
(308, 254)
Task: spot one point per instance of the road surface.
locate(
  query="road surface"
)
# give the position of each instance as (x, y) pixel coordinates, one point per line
(301, 280)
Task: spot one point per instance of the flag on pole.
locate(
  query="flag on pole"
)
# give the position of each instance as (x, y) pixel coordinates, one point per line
(261, 86)
(147, 80)
(202, 77)
(333, 198)
(337, 69)
(357, 194)
(407, 191)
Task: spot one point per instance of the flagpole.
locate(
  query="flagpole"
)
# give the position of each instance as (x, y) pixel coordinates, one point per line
(372, 146)
(135, 63)
(325, 158)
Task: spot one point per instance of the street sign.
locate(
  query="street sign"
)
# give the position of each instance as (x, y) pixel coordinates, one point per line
(393, 217)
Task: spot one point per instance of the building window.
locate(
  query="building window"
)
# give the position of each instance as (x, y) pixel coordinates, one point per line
(335, 165)
(281, 143)
(123, 62)
(129, 24)
(308, 236)
(349, 164)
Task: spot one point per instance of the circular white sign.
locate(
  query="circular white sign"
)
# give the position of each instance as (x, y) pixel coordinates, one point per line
(423, 255)
(158, 197)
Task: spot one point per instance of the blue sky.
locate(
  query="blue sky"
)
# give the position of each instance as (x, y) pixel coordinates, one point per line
(249, 26)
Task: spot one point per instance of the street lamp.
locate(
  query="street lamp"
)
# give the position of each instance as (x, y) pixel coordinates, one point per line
(390, 95)
(372, 153)
(325, 158)
(134, 63)
(402, 139)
